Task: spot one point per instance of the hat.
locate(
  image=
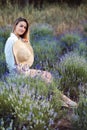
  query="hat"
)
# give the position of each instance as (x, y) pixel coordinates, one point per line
(23, 53)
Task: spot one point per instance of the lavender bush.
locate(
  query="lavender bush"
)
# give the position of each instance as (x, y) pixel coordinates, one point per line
(3, 67)
(46, 47)
(73, 73)
(70, 41)
(79, 119)
(28, 103)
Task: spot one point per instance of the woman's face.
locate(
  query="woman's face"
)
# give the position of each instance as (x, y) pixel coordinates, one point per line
(20, 28)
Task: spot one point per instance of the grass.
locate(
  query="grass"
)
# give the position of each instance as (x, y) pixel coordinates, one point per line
(60, 17)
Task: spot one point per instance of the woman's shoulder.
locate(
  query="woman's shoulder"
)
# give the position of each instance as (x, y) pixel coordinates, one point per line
(12, 38)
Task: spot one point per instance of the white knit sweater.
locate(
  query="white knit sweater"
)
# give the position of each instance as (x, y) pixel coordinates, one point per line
(9, 52)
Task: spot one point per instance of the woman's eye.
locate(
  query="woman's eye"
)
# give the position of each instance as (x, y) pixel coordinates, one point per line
(22, 26)
(25, 27)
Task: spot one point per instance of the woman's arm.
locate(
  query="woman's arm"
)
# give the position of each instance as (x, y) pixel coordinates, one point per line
(9, 54)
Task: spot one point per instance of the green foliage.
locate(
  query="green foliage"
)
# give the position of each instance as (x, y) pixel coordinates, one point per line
(85, 27)
(28, 102)
(82, 49)
(70, 42)
(70, 39)
(73, 73)
(79, 119)
(45, 46)
(3, 37)
(3, 68)
(85, 30)
(45, 55)
(40, 30)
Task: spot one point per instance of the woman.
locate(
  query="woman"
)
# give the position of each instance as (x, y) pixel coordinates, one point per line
(20, 33)
(19, 55)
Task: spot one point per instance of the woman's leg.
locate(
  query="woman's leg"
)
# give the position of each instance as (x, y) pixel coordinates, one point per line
(47, 77)
(44, 75)
(68, 101)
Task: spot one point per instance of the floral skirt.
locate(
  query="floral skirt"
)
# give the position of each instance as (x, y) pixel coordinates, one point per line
(44, 75)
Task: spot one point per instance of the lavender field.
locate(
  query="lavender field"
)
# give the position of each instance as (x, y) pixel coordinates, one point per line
(31, 104)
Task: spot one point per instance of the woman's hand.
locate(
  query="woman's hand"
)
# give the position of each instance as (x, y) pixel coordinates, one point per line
(24, 40)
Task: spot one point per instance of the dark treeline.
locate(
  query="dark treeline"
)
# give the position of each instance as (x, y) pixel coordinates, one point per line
(40, 3)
